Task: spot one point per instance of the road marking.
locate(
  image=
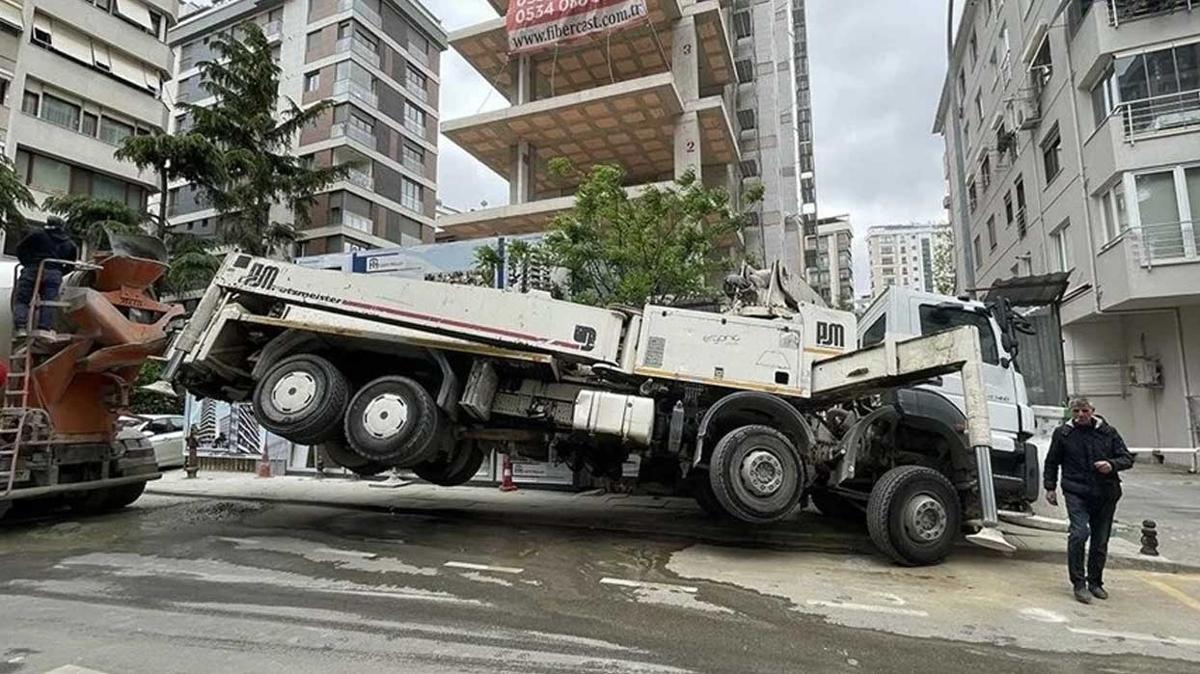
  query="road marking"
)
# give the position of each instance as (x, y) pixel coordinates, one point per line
(1134, 636)
(72, 669)
(1172, 592)
(871, 608)
(1043, 615)
(483, 567)
(648, 585)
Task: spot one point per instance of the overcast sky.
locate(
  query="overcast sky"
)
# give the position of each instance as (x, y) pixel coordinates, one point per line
(877, 68)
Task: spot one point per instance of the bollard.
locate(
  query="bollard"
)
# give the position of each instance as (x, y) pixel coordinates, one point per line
(1149, 538)
(191, 464)
(506, 474)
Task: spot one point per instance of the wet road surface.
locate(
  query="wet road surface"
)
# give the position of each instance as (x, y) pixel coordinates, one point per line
(201, 585)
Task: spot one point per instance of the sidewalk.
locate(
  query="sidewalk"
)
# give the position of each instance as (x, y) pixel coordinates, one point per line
(677, 518)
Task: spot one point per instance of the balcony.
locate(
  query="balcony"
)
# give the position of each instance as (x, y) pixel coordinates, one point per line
(354, 133)
(359, 46)
(1148, 267)
(1124, 11)
(273, 30)
(361, 179)
(1161, 113)
(356, 222)
(357, 91)
(362, 11)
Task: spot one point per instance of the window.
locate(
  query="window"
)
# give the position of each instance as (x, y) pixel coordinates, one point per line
(985, 172)
(62, 113)
(414, 157)
(113, 131)
(741, 24)
(746, 119)
(4, 83)
(90, 124)
(1019, 188)
(962, 91)
(972, 194)
(978, 252)
(991, 232)
(1060, 240)
(1152, 86)
(974, 42)
(979, 107)
(1041, 68)
(414, 119)
(1008, 210)
(1052, 154)
(415, 82)
(41, 33)
(312, 81)
(50, 175)
(29, 103)
(935, 319)
(745, 70)
(410, 197)
(104, 187)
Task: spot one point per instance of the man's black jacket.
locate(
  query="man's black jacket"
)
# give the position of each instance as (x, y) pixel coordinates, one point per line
(45, 244)
(1076, 449)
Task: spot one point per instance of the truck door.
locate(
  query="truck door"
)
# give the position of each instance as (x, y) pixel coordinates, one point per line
(999, 374)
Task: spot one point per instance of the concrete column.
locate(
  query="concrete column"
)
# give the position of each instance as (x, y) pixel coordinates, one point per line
(685, 62)
(522, 77)
(687, 145)
(520, 185)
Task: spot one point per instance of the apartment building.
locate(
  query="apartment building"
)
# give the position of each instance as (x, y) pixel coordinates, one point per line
(379, 62)
(689, 88)
(831, 272)
(774, 124)
(76, 78)
(1073, 145)
(902, 255)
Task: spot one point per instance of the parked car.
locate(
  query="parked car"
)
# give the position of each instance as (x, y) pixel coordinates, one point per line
(165, 432)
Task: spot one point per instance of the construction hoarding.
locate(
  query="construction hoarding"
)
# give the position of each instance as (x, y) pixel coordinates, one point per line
(534, 25)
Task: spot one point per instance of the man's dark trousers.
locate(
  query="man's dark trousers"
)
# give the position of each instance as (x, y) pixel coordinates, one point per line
(51, 283)
(1092, 514)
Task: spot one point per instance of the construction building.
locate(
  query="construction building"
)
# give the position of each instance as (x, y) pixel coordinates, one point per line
(1072, 136)
(832, 271)
(77, 78)
(903, 255)
(702, 85)
(379, 62)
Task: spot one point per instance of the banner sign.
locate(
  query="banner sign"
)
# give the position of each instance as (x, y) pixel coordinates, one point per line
(537, 24)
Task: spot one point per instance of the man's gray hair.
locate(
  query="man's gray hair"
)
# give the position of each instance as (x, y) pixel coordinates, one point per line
(1080, 403)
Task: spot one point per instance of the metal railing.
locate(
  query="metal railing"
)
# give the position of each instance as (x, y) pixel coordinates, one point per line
(417, 89)
(1171, 241)
(353, 132)
(357, 90)
(355, 221)
(362, 11)
(358, 46)
(417, 127)
(1123, 11)
(1160, 113)
(413, 164)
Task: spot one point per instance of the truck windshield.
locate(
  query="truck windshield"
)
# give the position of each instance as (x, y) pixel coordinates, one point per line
(934, 319)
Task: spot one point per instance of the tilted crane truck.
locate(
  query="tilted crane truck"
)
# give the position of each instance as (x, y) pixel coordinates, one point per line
(758, 410)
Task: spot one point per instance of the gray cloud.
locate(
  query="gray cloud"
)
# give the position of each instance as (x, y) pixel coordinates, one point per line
(877, 68)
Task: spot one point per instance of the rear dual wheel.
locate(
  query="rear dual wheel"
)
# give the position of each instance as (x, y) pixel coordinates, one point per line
(302, 398)
(453, 467)
(393, 421)
(756, 474)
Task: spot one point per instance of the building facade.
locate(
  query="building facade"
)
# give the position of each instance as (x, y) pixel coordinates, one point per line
(903, 255)
(1077, 129)
(76, 78)
(379, 62)
(701, 85)
(831, 273)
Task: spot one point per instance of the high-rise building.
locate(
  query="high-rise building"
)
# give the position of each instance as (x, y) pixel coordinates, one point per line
(832, 271)
(378, 61)
(1073, 144)
(774, 124)
(76, 78)
(720, 90)
(903, 255)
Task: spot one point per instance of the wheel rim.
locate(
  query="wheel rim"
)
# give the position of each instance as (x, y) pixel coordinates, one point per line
(925, 518)
(762, 472)
(385, 416)
(294, 392)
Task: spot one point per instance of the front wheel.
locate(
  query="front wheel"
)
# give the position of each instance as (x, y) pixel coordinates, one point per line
(914, 515)
(756, 474)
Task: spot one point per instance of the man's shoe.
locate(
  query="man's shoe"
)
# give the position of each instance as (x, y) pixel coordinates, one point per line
(1098, 592)
(1082, 596)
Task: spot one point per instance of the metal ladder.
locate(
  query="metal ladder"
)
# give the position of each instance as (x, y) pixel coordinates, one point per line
(16, 413)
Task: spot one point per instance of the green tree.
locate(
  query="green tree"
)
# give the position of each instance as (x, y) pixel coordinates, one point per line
(487, 262)
(88, 219)
(189, 156)
(944, 277)
(13, 196)
(660, 245)
(149, 402)
(244, 163)
(193, 264)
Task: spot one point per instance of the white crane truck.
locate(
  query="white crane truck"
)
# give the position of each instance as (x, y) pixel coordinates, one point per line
(757, 412)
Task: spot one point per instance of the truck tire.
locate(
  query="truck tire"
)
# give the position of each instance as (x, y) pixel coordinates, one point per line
(756, 474)
(454, 468)
(393, 421)
(302, 398)
(702, 491)
(339, 453)
(914, 515)
(102, 500)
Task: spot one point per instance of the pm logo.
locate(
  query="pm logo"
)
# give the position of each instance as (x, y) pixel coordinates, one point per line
(831, 334)
(260, 276)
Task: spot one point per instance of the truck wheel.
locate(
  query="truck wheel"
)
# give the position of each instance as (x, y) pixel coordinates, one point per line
(393, 421)
(302, 398)
(339, 453)
(454, 468)
(756, 474)
(702, 491)
(108, 498)
(914, 515)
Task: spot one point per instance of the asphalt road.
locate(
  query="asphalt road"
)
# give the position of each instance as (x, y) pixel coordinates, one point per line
(197, 585)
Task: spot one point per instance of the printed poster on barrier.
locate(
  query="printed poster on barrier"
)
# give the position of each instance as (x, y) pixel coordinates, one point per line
(534, 25)
(228, 430)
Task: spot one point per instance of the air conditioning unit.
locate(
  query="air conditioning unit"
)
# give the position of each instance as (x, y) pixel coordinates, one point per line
(1145, 372)
(1028, 112)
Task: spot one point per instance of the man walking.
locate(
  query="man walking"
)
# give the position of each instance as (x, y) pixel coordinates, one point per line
(51, 243)
(1091, 453)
